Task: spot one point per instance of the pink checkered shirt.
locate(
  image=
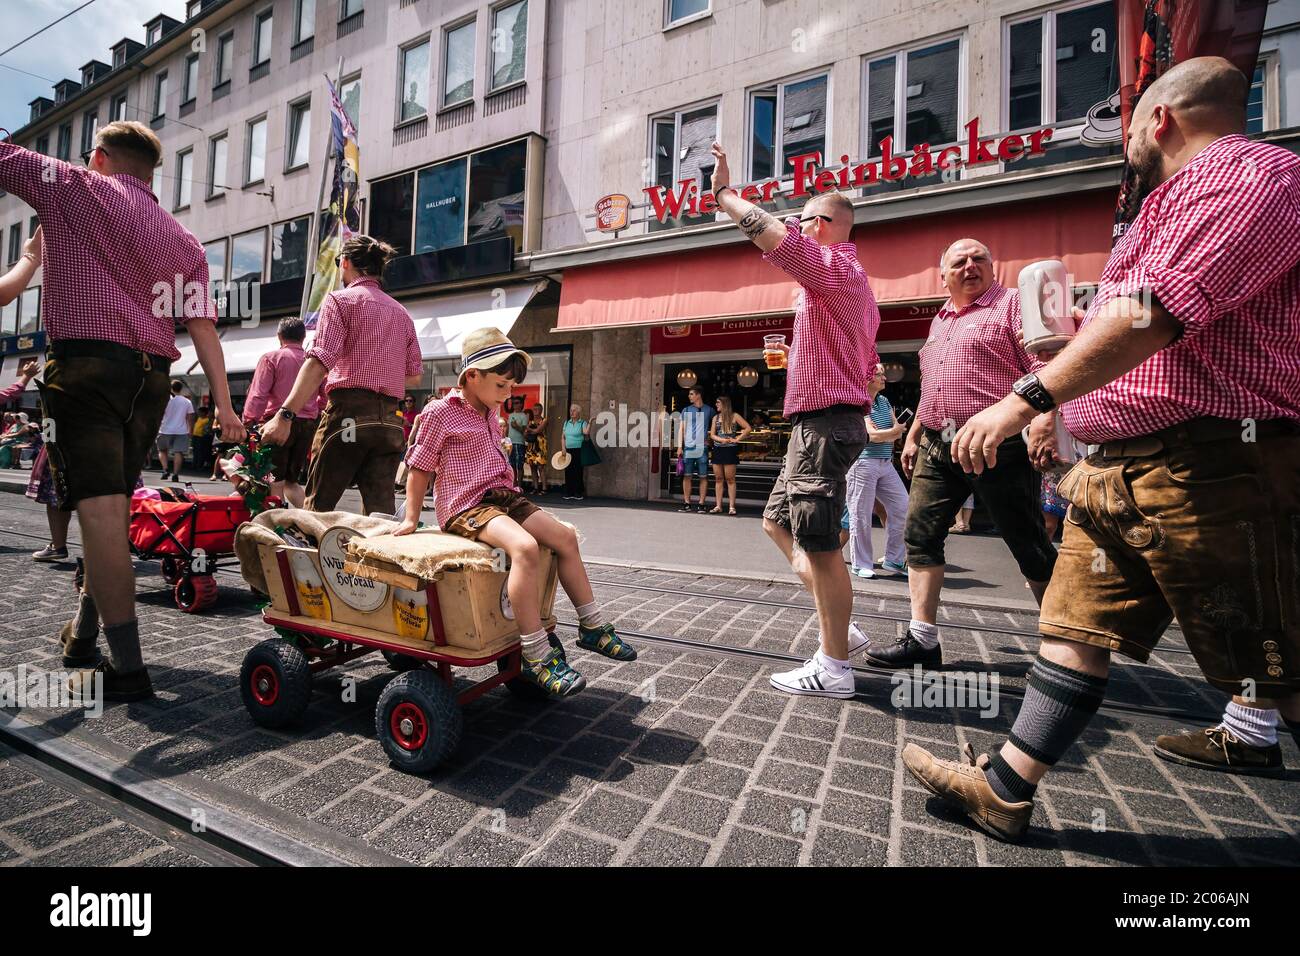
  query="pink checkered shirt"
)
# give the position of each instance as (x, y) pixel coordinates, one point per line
(107, 245)
(1219, 246)
(366, 339)
(273, 380)
(971, 358)
(462, 447)
(833, 350)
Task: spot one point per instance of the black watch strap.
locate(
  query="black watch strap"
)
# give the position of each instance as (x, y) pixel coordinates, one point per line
(1031, 390)
(286, 414)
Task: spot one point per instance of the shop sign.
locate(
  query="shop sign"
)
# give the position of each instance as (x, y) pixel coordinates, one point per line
(22, 343)
(612, 212)
(677, 331)
(732, 326)
(687, 199)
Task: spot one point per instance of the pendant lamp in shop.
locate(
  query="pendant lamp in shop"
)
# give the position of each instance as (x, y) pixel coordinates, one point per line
(686, 378)
(747, 377)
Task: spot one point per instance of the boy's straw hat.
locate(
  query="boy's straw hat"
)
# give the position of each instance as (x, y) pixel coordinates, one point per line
(485, 349)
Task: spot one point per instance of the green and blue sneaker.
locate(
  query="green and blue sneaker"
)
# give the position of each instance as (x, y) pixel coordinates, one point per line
(603, 640)
(553, 675)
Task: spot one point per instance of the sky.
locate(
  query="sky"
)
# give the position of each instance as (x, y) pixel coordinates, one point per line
(59, 52)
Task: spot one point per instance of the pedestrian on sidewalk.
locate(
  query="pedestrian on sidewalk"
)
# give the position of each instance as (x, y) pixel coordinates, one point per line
(367, 354)
(1192, 498)
(576, 429)
(174, 433)
(273, 380)
(873, 479)
(477, 499)
(40, 485)
(201, 436)
(516, 426)
(536, 456)
(962, 524)
(108, 246)
(970, 359)
(693, 450)
(727, 432)
(829, 365)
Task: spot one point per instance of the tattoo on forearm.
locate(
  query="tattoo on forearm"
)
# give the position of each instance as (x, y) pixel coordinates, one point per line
(756, 221)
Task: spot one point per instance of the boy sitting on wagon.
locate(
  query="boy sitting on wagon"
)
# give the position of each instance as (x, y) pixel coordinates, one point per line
(459, 442)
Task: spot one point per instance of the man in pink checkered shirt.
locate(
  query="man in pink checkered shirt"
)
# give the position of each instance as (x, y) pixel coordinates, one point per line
(831, 361)
(366, 352)
(1186, 370)
(970, 360)
(119, 272)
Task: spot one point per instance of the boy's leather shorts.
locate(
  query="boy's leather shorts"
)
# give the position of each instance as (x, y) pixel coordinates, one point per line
(809, 494)
(496, 503)
(103, 414)
(1199, 522)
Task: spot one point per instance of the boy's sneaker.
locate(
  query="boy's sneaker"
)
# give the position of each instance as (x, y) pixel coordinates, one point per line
(51, 553)
(811, 679)
(896, 568)
(604, 640)
(553, 675)
(863, 572)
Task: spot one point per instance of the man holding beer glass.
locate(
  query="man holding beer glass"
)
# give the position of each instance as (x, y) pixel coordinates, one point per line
(829, 367)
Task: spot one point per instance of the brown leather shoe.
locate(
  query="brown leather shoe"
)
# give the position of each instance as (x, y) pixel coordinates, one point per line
(964, 786)
(117, 687)
(77, 652)
(1217, 748)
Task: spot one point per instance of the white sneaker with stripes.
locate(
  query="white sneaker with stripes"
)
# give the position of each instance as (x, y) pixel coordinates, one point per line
(857, 640)
(811, 679)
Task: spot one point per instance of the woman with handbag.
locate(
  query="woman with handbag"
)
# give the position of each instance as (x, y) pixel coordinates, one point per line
(576, 430)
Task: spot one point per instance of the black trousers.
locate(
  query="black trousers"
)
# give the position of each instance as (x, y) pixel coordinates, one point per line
(575, 486)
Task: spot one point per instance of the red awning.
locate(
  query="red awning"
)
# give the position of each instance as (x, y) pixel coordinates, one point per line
(901, 257)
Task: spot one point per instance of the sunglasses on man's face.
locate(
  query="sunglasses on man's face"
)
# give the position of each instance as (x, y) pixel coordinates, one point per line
(815, 216)
(85, 157)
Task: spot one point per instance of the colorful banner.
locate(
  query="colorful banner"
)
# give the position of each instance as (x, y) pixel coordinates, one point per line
(1156, 34)
(342, 219)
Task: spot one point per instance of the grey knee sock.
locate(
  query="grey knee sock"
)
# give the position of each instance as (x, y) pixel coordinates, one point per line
(124, 647)
(86, 624)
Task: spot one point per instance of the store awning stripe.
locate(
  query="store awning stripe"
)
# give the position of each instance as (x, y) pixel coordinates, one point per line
(902, 259)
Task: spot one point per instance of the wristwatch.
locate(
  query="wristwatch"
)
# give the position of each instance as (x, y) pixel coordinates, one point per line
(284, 413)
(1031, 390)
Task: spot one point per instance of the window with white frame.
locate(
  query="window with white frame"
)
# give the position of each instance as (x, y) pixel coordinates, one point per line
(350, 97)
(160, 94)
(304, 20)
(118, 111)
(914, 96)
(679, 146)
(1058, 65)
(415, 81)
(64, 147)
(184, 177)
(89, 125)
(248, 256)
(262, 38)
(786, 120)
(192, 9)
(677, 11)
(155, 183)
(255, 152)
(458, 63)
(1260, 113)
(154, 34)
(217, 254)
(225, 59)
(509, 40)
(299, 134)
(218, 159)
(191, 78)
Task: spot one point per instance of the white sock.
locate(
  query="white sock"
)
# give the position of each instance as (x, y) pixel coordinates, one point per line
(536, 646)
(1253, 726)
(927, 635)
(589, 615)
(833, 667)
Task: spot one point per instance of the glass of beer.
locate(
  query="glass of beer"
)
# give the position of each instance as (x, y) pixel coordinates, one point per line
(773, 354)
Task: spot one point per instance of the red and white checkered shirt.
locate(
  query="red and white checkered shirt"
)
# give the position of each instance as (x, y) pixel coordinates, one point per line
(366, 339)
(971, 358)
(462, 447)
(273, 380)
(1219, 246)
(115, 265)
(833, 352)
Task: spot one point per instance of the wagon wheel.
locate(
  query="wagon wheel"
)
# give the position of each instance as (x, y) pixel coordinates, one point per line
(172, 571)
(418, 721)
(402, 662)
(275, 683)
(526, 689)
(195, 592)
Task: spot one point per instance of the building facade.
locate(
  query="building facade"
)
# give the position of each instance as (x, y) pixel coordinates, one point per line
(542, 165)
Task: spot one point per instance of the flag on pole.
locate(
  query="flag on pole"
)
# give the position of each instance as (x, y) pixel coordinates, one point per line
(342, 218)
(1156, 34)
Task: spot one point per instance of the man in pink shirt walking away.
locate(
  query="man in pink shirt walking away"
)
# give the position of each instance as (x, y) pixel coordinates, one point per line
(119, 272)
(1186, 373)
(830, 364)
(366, 345)
(273, 380)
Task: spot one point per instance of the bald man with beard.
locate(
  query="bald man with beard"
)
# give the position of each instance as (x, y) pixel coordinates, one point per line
(1186, 373)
